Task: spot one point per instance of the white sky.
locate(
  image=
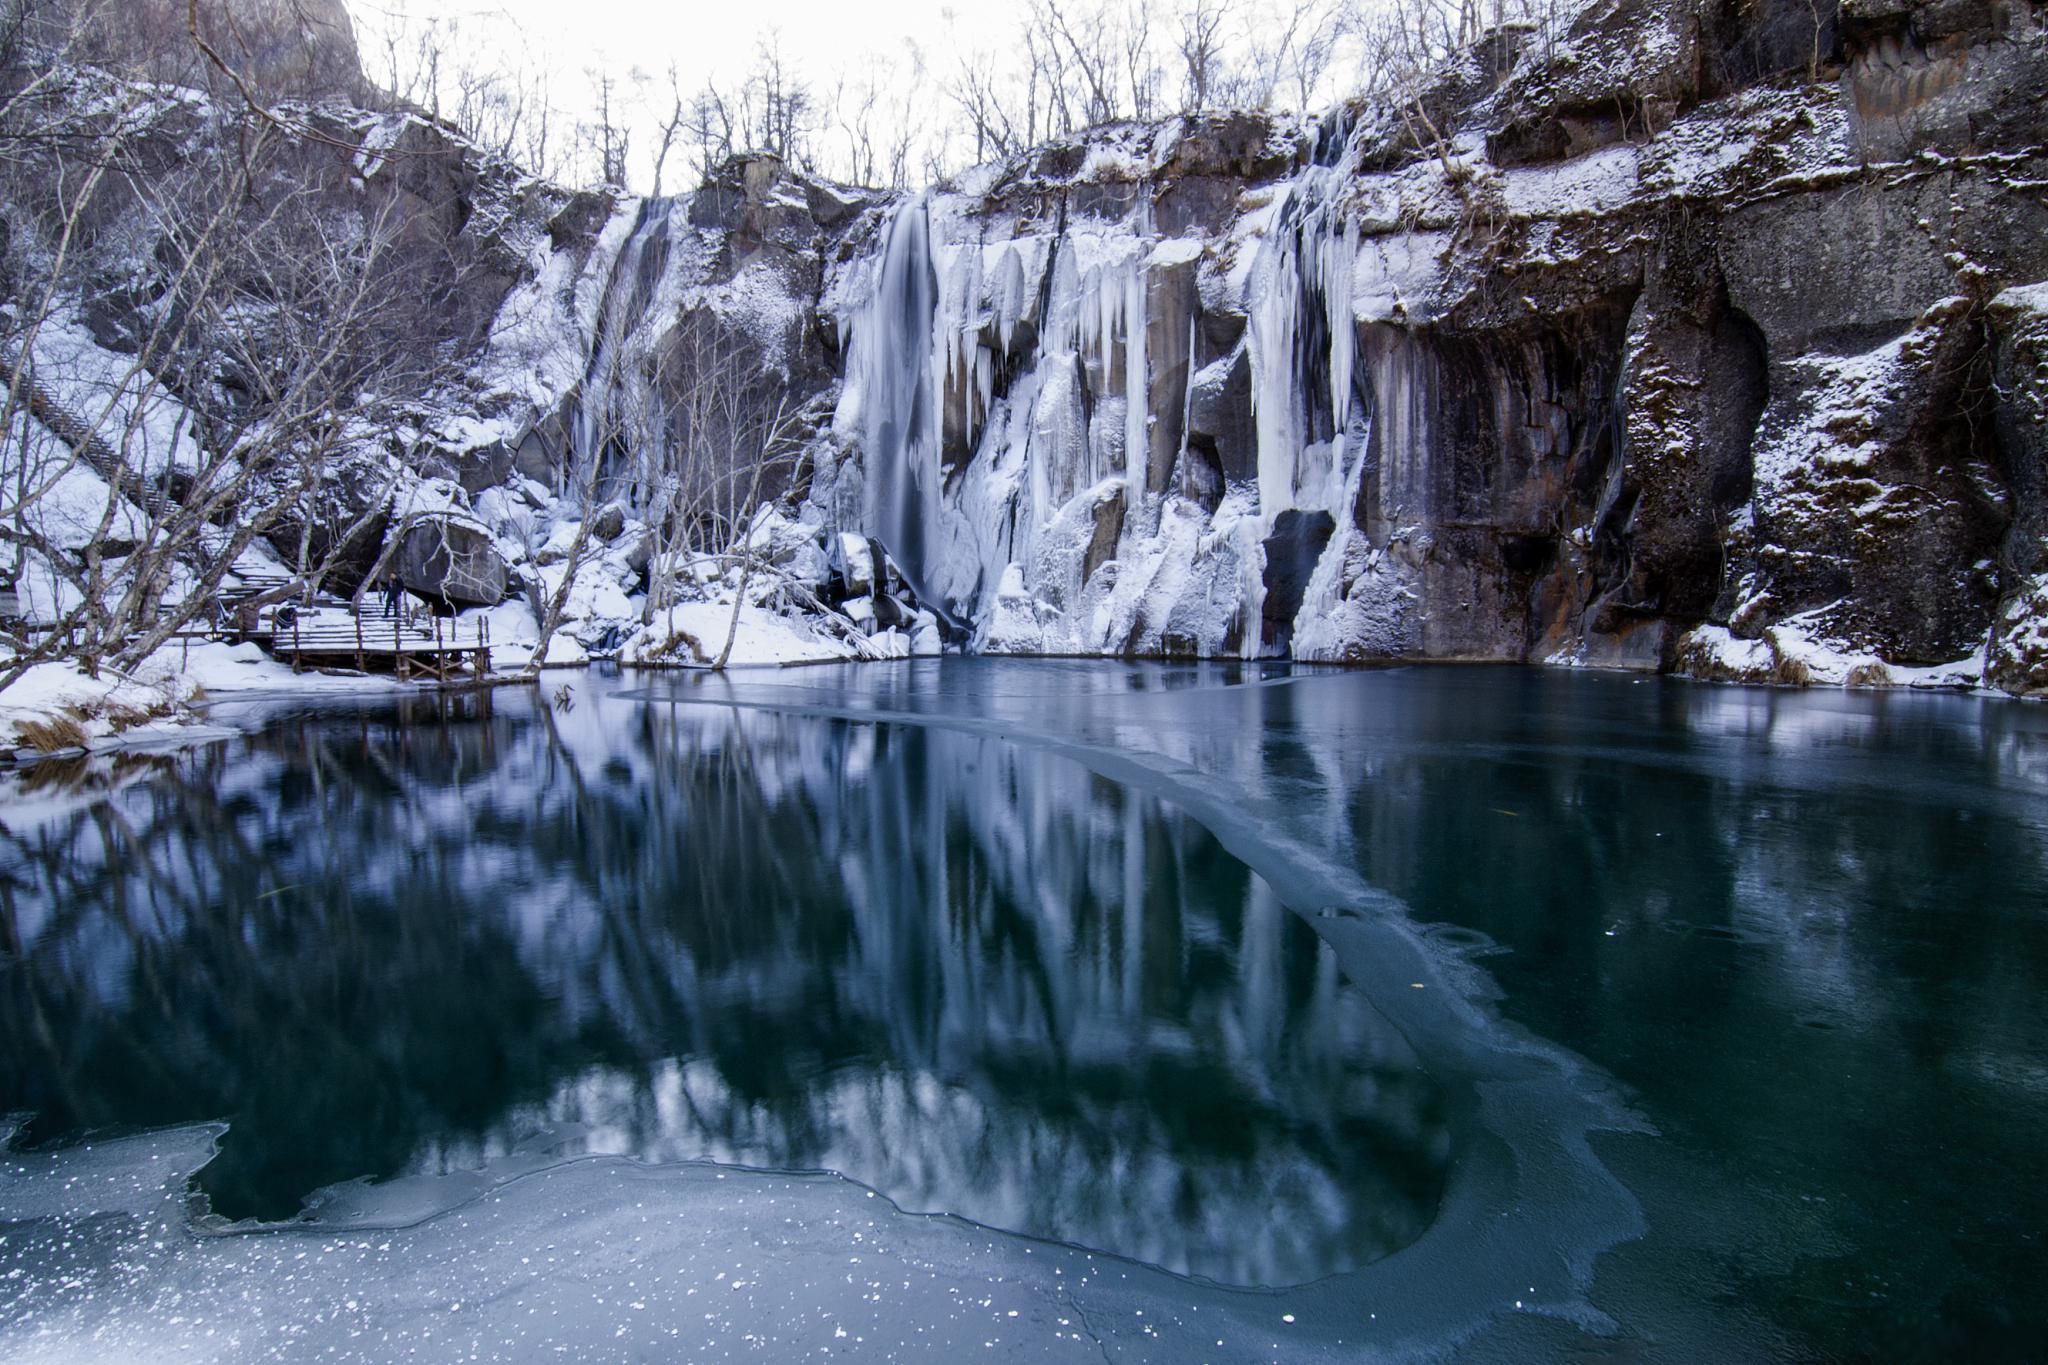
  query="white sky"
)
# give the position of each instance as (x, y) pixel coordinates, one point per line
(702, 39)
(822, 39)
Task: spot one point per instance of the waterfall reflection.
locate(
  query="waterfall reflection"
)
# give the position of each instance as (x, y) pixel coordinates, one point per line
(969, 975)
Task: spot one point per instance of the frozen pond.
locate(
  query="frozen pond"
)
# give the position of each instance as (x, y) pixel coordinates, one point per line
(1223, 1013)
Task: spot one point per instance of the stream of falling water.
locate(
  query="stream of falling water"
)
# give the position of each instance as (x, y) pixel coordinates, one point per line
(891, 366)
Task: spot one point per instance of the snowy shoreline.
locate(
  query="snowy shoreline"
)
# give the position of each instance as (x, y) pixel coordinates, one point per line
(153, 711)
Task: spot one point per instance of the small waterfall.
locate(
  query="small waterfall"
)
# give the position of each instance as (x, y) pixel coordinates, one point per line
(605, 423)
(1309, 421)
(892, 364)
(1302, 343)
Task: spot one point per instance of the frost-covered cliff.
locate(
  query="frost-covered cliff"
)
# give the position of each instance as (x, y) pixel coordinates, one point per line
(1666, 336)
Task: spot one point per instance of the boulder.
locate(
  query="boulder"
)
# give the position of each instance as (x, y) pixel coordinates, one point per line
(451, 560)
(856, 563)
(349, 515)
(475, 468)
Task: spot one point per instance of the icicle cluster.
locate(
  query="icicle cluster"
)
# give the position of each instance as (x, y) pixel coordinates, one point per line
(1006, 399)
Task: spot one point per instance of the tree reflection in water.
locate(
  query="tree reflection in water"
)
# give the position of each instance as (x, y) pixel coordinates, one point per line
(969, 975)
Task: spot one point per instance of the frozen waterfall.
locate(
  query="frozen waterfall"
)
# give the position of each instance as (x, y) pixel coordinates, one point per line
(1087, 435)
(890, 378)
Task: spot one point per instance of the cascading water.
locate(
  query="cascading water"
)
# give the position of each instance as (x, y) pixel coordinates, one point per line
(603, 425)
(1042, 489)
(891, 363)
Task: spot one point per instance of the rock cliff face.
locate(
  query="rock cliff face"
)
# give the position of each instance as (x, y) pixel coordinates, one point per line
(1672, 334)
(296, 49)
(1669, 336)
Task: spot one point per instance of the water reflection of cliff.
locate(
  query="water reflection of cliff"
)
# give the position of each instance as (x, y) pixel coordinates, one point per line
(969, 975)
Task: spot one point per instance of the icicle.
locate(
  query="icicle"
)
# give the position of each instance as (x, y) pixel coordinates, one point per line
(1187, 395)
(1137, 446)
(1337, 251)
(897, 366)
(984, 385)
(1009, 295)
(1275, 290)
(1106, 302)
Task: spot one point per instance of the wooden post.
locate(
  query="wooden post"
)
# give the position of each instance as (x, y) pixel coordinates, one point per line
(357, 612)
(296, 653)
(440, 659)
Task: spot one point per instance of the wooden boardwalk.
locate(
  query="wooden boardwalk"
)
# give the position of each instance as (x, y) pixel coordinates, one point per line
(316, 637)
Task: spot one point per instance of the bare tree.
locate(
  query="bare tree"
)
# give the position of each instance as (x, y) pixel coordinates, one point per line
(780, 103)
(608, 137)
(672, 120)
(1200, 45)
(284, 331)
(980, 93)
(428, 61)
(713, 125)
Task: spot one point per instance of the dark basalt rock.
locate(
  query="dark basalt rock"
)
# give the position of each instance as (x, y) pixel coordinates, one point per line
(475, 468)
(1292, 550)
(1221, 431)
(343, 524)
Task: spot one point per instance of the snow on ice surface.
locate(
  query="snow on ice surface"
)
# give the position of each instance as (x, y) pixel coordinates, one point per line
(48, 687)
(152, 705)
(597, 1259)
(177, 674)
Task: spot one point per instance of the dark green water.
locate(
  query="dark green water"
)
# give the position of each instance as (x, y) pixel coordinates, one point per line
(923, 925)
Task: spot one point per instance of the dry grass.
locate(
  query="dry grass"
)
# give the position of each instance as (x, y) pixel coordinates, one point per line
(1792, 671)
(122, 716)
(60, 731)
(68, 728)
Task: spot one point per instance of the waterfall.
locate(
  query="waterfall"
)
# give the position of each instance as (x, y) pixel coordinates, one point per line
(602, 426)
(891, 362)
(1302, 342)
(1010, 480)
